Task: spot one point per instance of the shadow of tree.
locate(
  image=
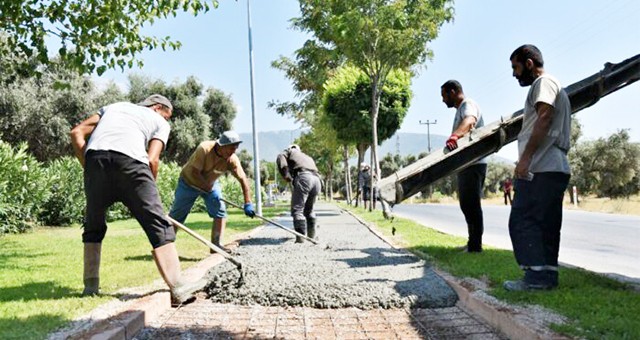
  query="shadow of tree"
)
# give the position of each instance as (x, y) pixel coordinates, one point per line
(380, 257)
(264, 241)
(24, 328)
(37, 291)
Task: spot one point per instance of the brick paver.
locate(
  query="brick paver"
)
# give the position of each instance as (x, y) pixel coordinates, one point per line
(206, 320)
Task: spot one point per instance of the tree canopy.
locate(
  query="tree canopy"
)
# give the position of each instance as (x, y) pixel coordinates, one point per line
(90, 35)
(607, 167)
(347, 100)
(376, 36)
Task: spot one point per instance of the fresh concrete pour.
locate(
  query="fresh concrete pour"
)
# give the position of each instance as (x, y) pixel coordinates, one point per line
(351, 267)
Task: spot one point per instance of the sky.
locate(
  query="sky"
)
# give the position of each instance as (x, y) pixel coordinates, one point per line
(576, 38)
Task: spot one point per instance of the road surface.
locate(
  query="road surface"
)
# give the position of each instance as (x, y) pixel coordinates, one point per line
(599, 242)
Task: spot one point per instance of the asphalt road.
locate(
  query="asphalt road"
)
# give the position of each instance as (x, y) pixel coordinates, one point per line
(599, 242)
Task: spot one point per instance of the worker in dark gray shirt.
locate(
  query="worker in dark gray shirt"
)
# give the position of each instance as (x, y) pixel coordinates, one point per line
(298, 168)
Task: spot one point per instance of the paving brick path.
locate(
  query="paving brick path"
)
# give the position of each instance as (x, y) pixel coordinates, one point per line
(206, 320)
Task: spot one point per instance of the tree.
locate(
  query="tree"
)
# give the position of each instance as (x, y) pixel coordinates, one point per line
(321, 145)
(314, 64)
(245, 161)
(189, 123)
(607, 167)
(347, 101)
(497, 173)
(35, 112)
(390, 164)
(221, 110)
(376, 36)
(91, 34)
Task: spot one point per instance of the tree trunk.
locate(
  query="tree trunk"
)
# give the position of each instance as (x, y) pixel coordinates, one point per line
(375, 107)
(362, 149)
(347, 174)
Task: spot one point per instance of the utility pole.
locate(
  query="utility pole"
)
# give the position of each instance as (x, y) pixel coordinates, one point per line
(256, 157)
(428, 132)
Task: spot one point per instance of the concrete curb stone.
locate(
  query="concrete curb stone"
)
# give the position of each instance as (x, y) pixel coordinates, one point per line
(509, 320)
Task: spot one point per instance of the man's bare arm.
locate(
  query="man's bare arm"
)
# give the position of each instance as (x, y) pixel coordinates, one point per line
(239, 174)
(79, 135)
(465, 126)
(155, 149)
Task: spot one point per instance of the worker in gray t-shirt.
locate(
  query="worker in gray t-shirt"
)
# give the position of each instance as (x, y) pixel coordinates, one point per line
(470, 179)
(542, 173)
(298, 168)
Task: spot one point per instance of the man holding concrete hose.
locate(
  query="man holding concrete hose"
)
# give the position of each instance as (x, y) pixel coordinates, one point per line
(121, 160)
(297, 167)
(199, 178)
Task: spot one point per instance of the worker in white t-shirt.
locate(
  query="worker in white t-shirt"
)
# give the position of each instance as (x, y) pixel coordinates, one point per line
(119, 148)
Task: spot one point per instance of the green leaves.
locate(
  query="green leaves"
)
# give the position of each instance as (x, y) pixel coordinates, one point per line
(95, 35)
(347, 103)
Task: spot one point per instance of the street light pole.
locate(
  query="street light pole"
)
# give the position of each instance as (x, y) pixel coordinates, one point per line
(256, 157)
(428, 132)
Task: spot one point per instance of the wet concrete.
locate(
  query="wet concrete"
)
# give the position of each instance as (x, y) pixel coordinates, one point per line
(351, 267)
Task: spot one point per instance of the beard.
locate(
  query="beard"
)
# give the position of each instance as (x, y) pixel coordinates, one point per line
(526, 78)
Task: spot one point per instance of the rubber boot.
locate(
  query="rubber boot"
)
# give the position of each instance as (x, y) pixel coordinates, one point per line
(217, 230)
(301, 227)
(91, 269)
(166, 258)
(311, 227)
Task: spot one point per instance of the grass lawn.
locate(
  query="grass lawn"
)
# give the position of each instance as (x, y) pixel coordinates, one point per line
(598, 307)
(41, 271)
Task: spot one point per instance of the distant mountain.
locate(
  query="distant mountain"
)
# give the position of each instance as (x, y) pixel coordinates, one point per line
(271, 143)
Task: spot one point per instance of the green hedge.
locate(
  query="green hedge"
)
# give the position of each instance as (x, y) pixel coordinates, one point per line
(65, 204)
(24, 186)
(52, 194)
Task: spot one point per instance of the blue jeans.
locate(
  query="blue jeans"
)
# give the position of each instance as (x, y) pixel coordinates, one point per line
(185, 197)
(536, 219)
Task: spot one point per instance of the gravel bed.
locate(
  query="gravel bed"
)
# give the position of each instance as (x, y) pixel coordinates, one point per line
(351, 267)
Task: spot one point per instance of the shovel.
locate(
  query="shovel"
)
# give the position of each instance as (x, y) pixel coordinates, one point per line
(212, 246)
(274, 223)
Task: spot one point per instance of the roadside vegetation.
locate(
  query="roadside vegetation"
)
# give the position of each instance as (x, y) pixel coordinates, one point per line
(41, 279)
(597, 307)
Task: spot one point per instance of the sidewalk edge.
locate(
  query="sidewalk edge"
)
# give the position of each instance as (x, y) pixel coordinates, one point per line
(500, 317)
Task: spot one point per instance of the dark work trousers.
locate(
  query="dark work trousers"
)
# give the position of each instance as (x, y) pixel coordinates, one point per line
(470, 184)
(111, 177)
(507, 195)
(536, 219)
(306, 187)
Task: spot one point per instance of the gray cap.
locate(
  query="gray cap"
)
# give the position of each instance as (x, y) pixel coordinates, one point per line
(156, 99)
(228, 138)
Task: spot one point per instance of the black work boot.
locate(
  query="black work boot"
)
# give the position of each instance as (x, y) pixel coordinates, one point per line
(311, 227)
(301, 227)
